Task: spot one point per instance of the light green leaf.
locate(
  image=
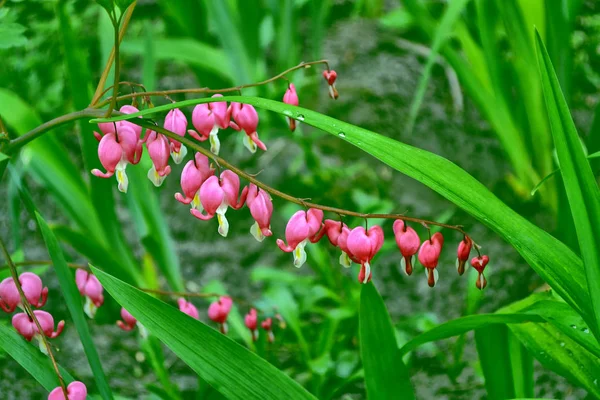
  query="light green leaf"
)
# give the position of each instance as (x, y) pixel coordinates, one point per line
(581, 187)
(74, 304)
(386, 376)
(228, 367)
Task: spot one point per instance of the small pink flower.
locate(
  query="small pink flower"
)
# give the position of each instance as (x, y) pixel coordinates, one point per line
(291, 97)
(261, 207)
(245, 117)
(32, 286)
(346, 258)
(479, 264)
(127, 109)
(75, 391)
(267, 325)
(462, 254)
(251, 322)
(429, 255)
(116, 150)
(363, 245)
(159, 151)
(218, 312)
(330, 76)
(28, 328)
(176, 122)
(302, 227)
(90, 287)
(408, 242)
(187, 308)
(217, 195)
(194, 174)
(208, 118)
(129, 322)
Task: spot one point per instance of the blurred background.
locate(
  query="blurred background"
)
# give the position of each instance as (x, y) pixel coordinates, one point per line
(479, 109)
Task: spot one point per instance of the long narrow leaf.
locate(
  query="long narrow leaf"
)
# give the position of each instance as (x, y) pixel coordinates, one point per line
(228, 367)
(73, 300)
(386, 376)
(581, 187)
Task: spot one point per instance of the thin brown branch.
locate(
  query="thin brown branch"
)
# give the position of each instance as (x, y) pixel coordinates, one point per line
(208, 90)
(29, 263)
(29, 310)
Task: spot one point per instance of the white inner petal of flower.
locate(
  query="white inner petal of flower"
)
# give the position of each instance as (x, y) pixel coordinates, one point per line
(300, 254)
(180, 155)
(215, 144)
(345, 260)
(41, 343)
(249, 144)
(403, 265)
(196, 203)
(90, 308)
(367, 272)
(223, 223)
(122, 176)
(154, 177)
(257, 232)
(480, 278)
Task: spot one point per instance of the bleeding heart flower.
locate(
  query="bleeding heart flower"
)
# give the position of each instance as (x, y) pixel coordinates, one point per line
(218, 311)
(261, 207)
(363, 245)
(129, 322)
(462, 254)
(35, 292)
(245, 117)
(302, 227)
(408, 242)
(267, 325)
(429, 255)
(330, 76)
(479, 264)
(90, 287)
(217, 195)
(208, 118)
(187, 308)
(159, 151)
(251, 322)
(75, 391)
(176, 122)
(127, 109)
(194, 174)
(291, 97)
(29, 330)
(346, 258)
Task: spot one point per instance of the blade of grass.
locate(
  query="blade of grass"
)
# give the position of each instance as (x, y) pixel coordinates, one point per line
(31, 359)
(550, 258)
(228, 367)
(581, 187)
(73, 300)
(495, 359)
(386, 376)
(465, 324)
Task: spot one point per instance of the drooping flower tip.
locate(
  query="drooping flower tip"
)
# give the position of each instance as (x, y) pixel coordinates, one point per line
(218, 312)
(408, 242)
(429, 255)
(90, 287)
(261, 207)
(479, 263)
(363, 244)
(330, 76)
(128, 323)
(27, 327)
(33, 288)
(75, 391)
(462, 254)
(188, 308)
(303, 226)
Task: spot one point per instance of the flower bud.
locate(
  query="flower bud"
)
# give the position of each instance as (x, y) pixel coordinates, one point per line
(291, 97)
(75, 391)
(479, 264)
(363, 245)
(188, 308)
(218, 311)
(32, 287)
(251, 322)
(90, 287)
(330, 76)
(429, 255)
(462, 254)
(408, 242)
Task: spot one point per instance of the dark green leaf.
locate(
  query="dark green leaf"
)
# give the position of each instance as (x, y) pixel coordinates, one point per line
(386, 376)
(228, 367)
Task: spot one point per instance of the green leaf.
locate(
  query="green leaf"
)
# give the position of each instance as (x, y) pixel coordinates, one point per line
(31, 358)
(12, 35)
(73, 301)
(581, 187)
(442, 34)
(108, 5)
(549, 257)
(465, 324)
(228, 367)
(386, 376)
(4, 159)
(123, 4)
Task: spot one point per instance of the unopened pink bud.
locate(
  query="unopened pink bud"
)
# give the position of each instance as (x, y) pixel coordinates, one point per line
(363, 245)
(429, 255)
(267, 325)
(75, 391)
(187, 308)
(261, 207)
(330, 76)
(479, 263)
(159, 151)
(408, 242)
(218, 311)
(176, 122)
(462, 254)
(90, 287)
(129, 322)
(251, 322)
(291, 97)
